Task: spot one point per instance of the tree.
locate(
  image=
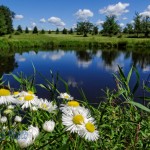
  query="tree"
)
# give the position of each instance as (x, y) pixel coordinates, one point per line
(49, 31)
(57, 31)
(128, 29)
(35, 30)
(3, 28)
(19, 29)
(110, 26)
(95, 30)
(84, 28)
(146, 26)
(137, 23)
(26, 30)
(64, 31)
(70, 31)
(42, 31)
(6, 19)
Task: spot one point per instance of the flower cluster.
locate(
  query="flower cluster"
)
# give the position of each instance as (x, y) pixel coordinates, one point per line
(78, 119)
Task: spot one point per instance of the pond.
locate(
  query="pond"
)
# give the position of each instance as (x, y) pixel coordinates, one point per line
(90, 70)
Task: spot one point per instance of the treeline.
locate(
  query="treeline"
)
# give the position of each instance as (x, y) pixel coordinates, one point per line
(110, 27)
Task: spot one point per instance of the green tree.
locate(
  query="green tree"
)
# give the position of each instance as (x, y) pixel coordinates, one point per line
(64, 31)
(70, 31)
(3, 28)
(110, 26)
(6, 18)
(84, 28)
(35, 30)
(57, 31)
(128, 29)
(49, 31)
(146, 26)
(95, 30)
(19, 28)
(26, 30)
(42, 31)
(137, 24)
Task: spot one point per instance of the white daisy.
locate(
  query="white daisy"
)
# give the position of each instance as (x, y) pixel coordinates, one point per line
(18, 119)
(25, 139)
(34, 131)
(27, 99)
(74, 119)
(70, 104)
(65, 96)
(46, 105)
(89, 132)
(3, 119)
(49, 126)
(6, 97)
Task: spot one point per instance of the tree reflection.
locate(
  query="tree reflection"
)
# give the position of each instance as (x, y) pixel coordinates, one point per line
(109, 56)
(141, 59)
(7, 64)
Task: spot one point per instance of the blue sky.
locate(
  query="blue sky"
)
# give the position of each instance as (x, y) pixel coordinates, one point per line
(50, 14)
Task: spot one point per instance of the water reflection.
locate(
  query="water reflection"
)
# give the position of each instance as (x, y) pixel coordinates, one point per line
(86, 69)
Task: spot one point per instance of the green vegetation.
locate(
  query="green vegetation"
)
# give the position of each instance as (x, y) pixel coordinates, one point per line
(67, 41)
(117, 122)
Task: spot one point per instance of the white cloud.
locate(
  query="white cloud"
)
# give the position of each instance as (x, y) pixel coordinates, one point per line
(124, 18)
(56, 21)
(18, 17)
(117, 9)
(33, 24)
(146, 12)
(84, 14)
(121, 24)
(42, 20)
(84, 64)
(99, 22)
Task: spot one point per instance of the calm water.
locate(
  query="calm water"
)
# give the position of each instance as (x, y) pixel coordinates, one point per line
(90, 70)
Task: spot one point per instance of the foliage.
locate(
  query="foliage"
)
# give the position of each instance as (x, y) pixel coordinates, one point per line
(26, 30)
(84, 28)
(64, 31)
(110, 26)
(19, 29)
(57, 31)
(6, 16)
(42, 31)
(35, 30)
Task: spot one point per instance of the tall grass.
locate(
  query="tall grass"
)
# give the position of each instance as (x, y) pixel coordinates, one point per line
(71, 41)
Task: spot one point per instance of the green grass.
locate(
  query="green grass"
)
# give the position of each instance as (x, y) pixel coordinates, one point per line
(71, 41)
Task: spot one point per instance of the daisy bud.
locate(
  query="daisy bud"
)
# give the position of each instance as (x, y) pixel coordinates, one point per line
(18, 119)
(3, 119)
(34, 131)
(49, 126)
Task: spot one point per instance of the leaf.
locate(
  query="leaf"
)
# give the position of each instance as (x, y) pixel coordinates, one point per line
(16, 78)
(129, 75)
(139, 105)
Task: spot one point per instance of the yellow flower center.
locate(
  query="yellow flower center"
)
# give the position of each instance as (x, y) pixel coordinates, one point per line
(90, 127)
(30, 92)
(16, 93)
(73, 103)
(28, 98)
(78, 119)
(4, 92)
(44, 106)
(66, 96)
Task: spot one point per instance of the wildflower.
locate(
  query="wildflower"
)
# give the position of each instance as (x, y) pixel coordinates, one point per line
(10, 107)
(34, 131)
(6, 97)
(25, 139)
(74, 119)
(18, 119)
(49, 126)
(89, 132)
(70, 104)
(65, 96)
(8, 111)
(46, 105)
(27, 99)
(3, 119)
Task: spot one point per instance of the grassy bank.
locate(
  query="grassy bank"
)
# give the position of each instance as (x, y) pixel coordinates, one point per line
(53, 41)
